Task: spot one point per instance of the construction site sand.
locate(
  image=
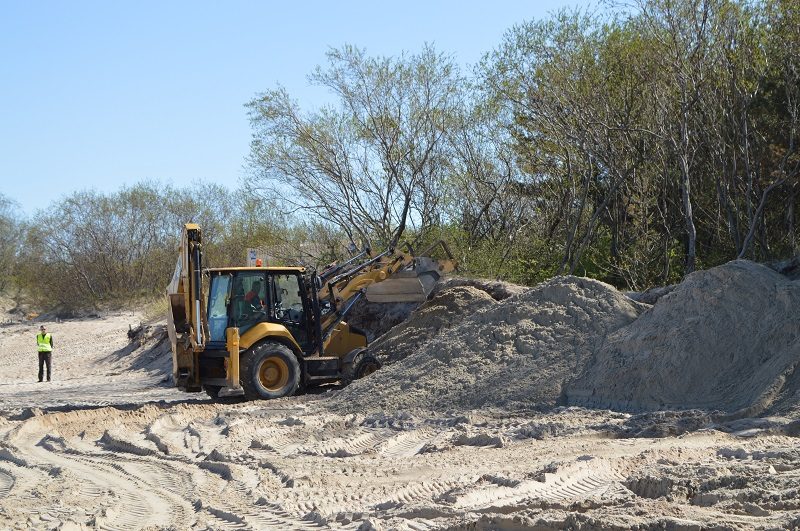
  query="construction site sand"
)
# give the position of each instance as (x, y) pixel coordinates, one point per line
(287, 466)
(166, 460)
(93, 363)
(496, 289)
(515, 353)
(725, 340)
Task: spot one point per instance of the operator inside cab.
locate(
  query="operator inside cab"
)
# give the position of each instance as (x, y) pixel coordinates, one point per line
(256, 296)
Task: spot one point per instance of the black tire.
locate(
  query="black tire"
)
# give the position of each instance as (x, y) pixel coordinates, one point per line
(363, 365)
(269, 370)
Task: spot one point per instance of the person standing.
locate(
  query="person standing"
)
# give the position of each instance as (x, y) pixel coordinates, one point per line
(44, 343)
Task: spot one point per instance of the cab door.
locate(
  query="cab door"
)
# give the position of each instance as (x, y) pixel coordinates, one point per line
(290, 307)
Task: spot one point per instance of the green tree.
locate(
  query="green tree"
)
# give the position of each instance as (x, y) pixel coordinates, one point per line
(374, 165)
(11, 229)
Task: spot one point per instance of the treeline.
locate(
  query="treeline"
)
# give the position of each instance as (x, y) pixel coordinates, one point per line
(109, 249)
(663, 141)
(632, 145)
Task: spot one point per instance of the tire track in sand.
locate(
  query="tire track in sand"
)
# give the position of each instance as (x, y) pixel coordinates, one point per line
(405, 444)
(590, 479)
(151, 492)
(6, 483)
(346, 446)
(135, 504)
(232, 511)
(230, 504)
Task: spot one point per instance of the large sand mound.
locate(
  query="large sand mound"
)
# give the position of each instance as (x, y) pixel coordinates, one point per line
(515, 353)
(725, 339)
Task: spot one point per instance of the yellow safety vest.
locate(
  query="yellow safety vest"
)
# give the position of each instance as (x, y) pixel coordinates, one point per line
(44, 343)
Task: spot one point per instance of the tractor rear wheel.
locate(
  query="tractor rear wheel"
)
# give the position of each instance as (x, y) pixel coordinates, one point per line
(269, 370)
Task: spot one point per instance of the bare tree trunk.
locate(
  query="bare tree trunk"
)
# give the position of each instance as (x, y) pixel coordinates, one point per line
(790, 221)
(686, 193)
(593, 222)
(723, 195)
(403, 217)
(574, 228)
(754, 222)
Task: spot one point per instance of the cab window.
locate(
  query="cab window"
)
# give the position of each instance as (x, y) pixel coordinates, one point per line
(218, 307)
(288, 302)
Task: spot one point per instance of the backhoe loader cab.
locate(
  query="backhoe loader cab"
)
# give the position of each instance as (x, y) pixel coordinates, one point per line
(263, 332)
(244, 298)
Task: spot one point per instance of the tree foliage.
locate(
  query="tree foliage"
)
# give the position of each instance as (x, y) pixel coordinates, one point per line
(11, 230)
(659, 139)
(375, 164)
(106, 249)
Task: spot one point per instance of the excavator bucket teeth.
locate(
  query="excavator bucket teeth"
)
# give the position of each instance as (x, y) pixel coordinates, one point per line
(405, 286)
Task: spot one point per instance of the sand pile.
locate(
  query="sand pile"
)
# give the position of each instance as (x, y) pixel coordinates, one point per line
(518, 352)
(376, 318)
(497, 289)
(446, 309)
(725, 339)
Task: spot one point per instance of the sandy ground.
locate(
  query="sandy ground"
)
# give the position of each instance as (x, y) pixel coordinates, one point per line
(93, 363)
(108, 444)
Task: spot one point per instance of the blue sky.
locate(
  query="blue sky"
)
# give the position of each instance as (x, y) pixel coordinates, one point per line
(96, 95)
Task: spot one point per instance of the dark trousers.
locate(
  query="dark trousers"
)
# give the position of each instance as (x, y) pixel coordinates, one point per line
(44, 357)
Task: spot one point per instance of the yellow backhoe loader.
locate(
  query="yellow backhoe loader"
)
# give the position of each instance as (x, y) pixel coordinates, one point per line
(265, 332)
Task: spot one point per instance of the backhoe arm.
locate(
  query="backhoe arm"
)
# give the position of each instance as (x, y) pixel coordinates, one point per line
(186, 313)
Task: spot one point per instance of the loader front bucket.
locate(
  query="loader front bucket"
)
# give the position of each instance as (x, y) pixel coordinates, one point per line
(400, 288)
(412, 285)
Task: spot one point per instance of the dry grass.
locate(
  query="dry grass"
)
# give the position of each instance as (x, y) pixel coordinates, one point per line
(154, 310)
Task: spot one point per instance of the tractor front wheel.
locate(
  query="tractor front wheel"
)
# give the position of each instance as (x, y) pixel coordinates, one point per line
(363, 365)
(269, 370)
